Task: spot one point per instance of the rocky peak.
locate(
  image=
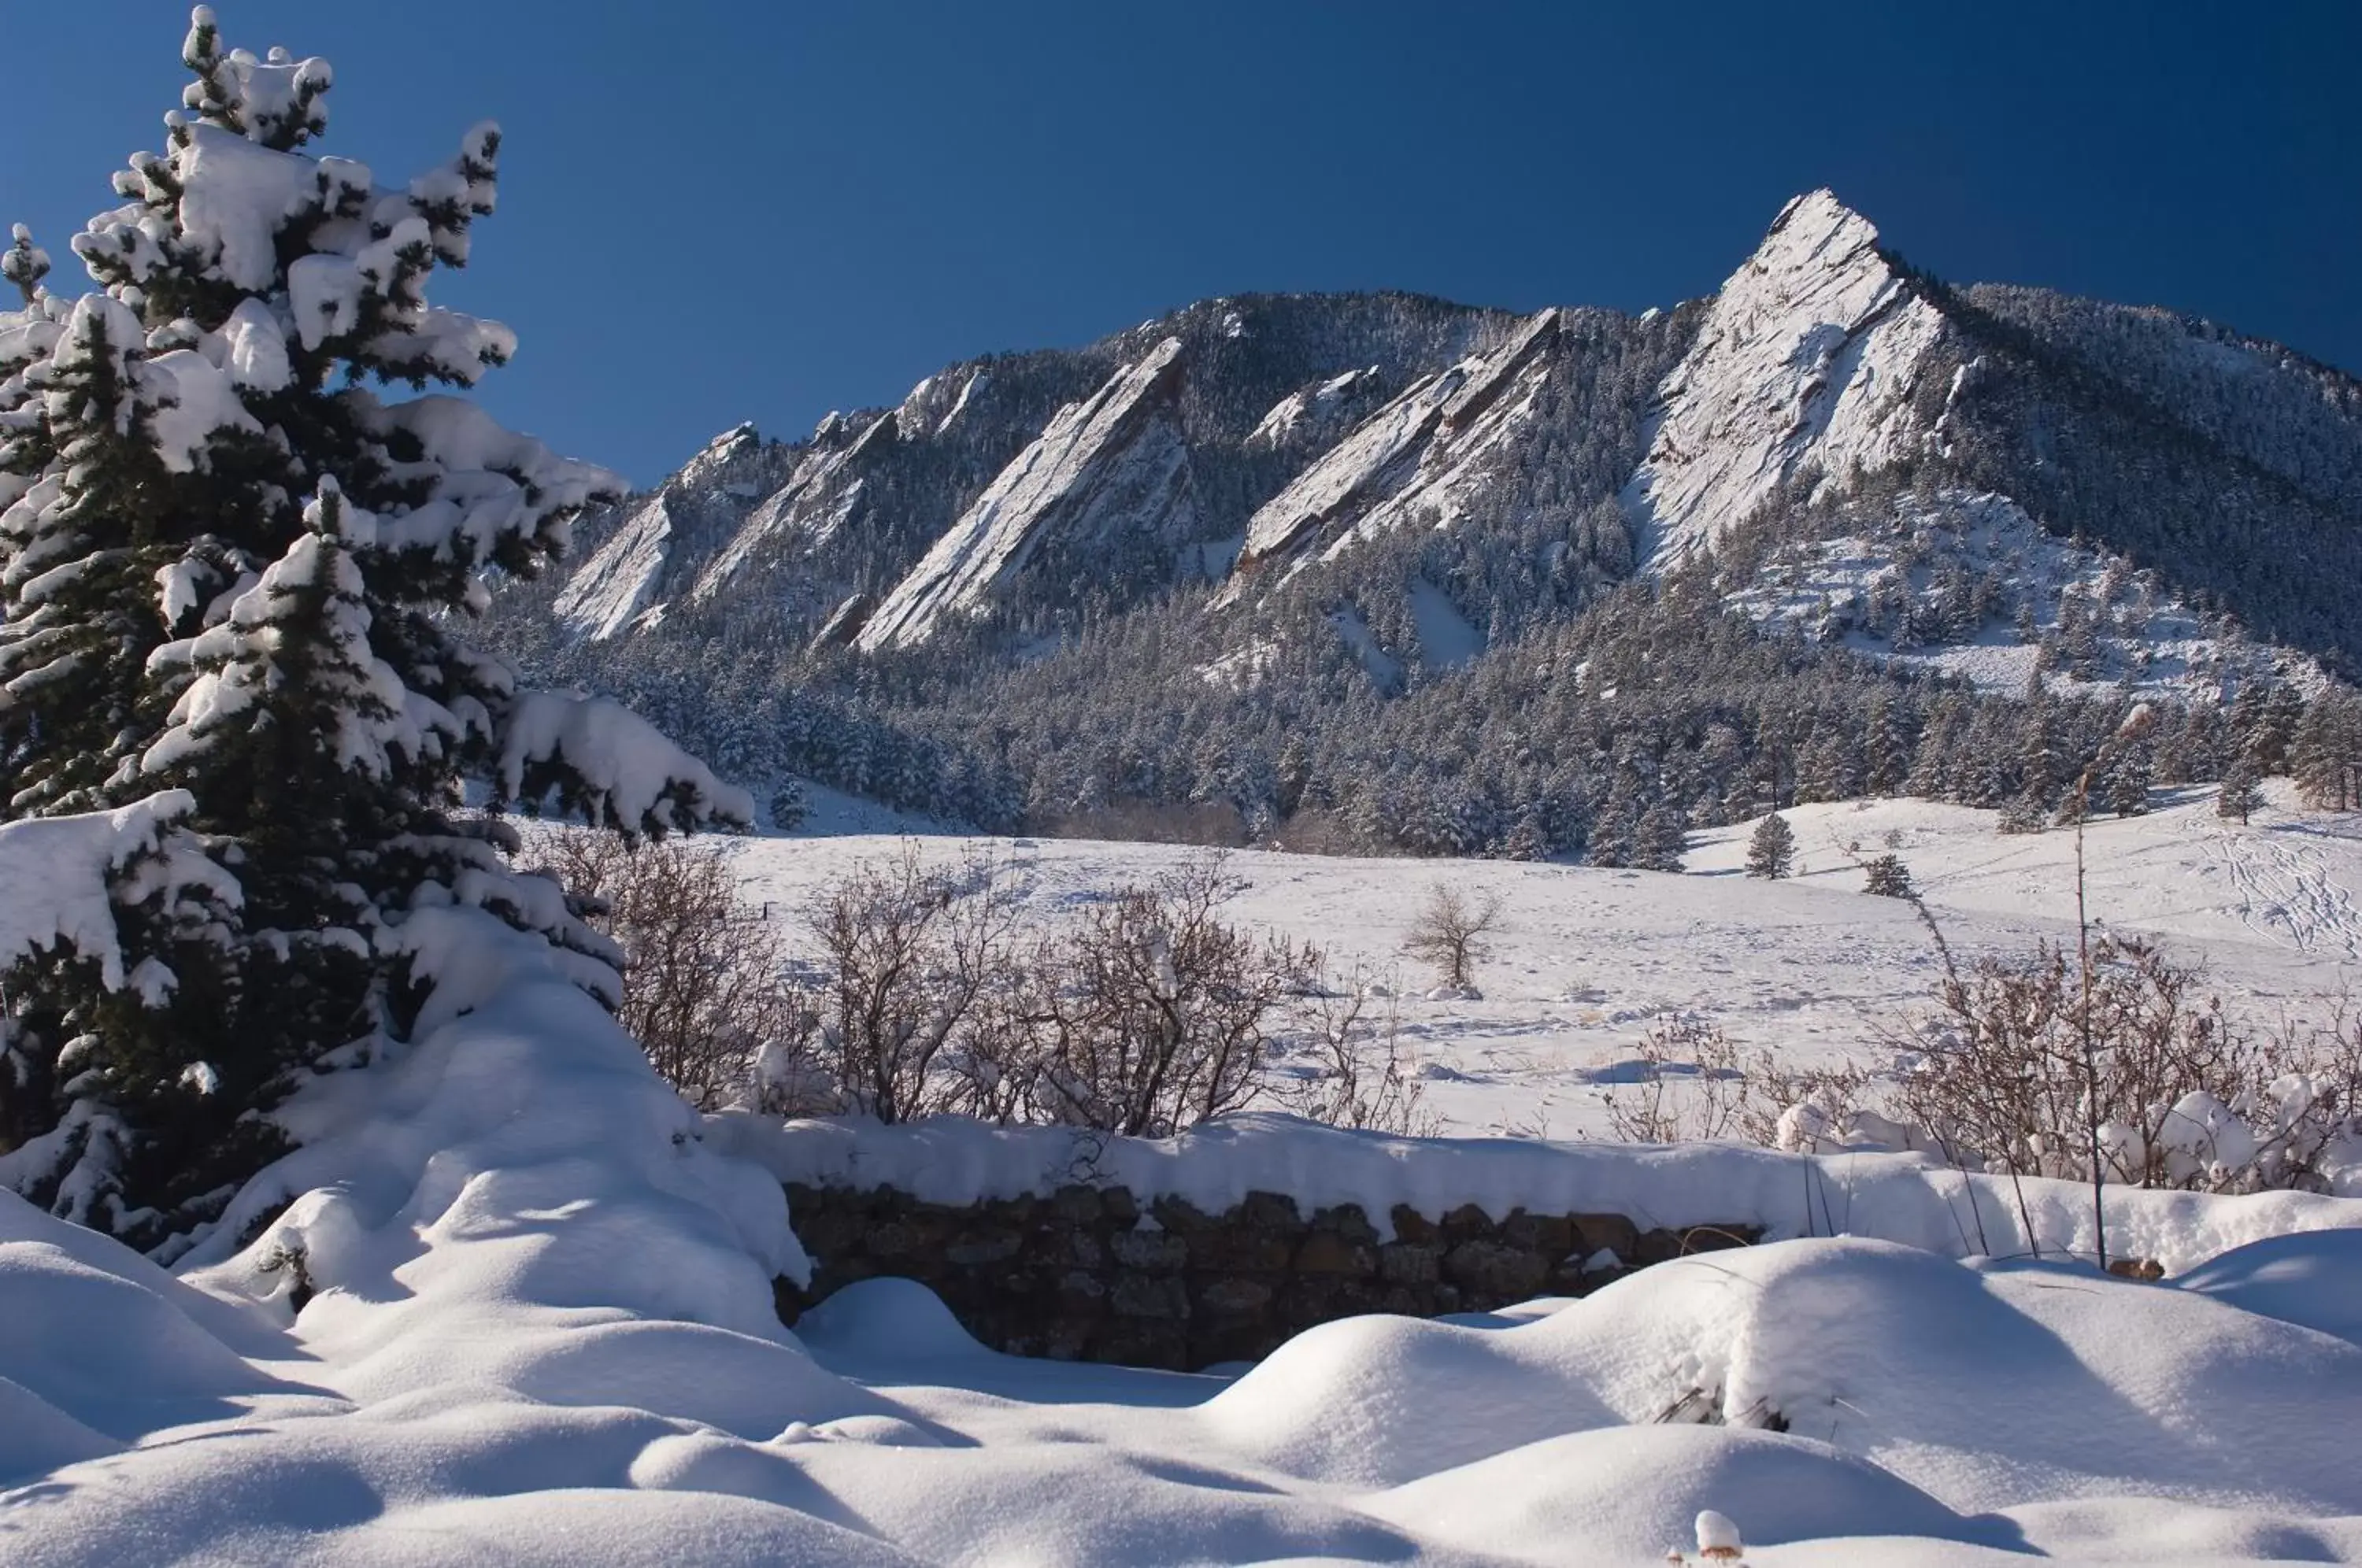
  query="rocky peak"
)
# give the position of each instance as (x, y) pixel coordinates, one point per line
(1810, 352)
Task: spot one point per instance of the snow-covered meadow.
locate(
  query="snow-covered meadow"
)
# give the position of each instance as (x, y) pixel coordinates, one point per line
(1811, 967)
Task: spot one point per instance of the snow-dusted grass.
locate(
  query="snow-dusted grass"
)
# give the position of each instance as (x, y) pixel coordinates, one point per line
(1810, 967)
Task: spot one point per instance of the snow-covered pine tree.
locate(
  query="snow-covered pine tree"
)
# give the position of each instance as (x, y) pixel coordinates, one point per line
(230, 570)
(1772, 849)
(2125, 790)
(2325, 758)
(2240, 796)
(1661, 837)
(1885, 877)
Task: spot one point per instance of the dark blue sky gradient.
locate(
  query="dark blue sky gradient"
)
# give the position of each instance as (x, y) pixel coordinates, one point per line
(716, 212)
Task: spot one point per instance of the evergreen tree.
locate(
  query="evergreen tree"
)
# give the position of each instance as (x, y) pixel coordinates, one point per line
(789, 805)
(2026, 814)
(1887, 877)
(2264, 719)
(235, 577)
(2125, 790)
(2325, 756)
(2239, 795)
(1889, 744)
(1659, 838)
(24, 264)
(1772, 849)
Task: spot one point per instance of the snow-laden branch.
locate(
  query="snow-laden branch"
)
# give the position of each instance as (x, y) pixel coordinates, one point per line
(62, 878)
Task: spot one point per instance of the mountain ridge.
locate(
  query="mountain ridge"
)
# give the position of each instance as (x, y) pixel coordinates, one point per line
(1344, 501)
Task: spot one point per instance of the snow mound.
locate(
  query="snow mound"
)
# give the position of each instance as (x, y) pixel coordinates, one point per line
(1623, 1491)
(1985, 1388)
(100, 1347)
(899, 1317)
(2313, 1279)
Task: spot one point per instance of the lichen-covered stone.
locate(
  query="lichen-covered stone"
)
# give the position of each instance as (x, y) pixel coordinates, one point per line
(1233, 1297)
(1410, 1263)
(1494, 1271)
(1605, 1233)
(1149, 1296)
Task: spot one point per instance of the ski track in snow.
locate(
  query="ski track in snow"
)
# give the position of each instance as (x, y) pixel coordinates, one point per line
(2287, 891)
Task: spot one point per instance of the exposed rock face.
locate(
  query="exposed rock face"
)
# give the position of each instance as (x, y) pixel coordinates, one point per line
(626, 578)
(1085, 1275)
(1414, 453)
(1311, 418)
(822, 494)
(1812, 351)
(1113, 463)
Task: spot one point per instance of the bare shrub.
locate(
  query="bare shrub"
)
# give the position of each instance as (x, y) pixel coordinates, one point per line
(1449, 932)
(2126, 1073)
(1141, 1013)
(1363, 1074)
(1693, 1083)
(1148, 1013)
(911, 958)
(704, 991)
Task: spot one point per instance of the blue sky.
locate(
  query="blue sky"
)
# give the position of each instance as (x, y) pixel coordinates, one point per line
(715, 212)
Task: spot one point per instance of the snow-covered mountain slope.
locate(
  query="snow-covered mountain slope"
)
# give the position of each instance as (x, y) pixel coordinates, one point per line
(1812, 353)
(821, 495)
(1313, 416)
(1111, 465)
(1409, 458)
(1967, 584)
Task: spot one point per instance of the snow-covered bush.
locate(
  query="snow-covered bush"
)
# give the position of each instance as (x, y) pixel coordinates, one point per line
(1691, 1082)
(230, 567)
(915, 973)
(1996, 1078)
(2043, 1067)
(1361, 1072)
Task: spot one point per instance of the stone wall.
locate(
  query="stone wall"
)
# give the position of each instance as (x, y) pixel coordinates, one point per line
(1085, 1274)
